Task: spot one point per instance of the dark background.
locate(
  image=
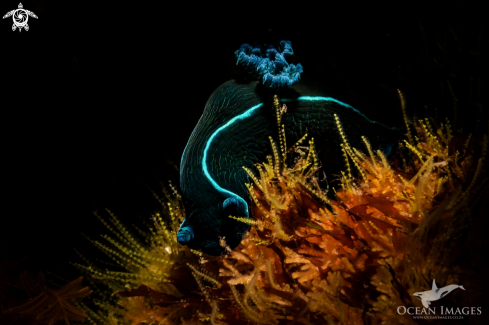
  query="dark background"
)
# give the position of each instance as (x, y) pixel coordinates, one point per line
(99, 98)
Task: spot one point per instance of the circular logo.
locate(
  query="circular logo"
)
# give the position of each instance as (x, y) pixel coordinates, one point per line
(20, 17)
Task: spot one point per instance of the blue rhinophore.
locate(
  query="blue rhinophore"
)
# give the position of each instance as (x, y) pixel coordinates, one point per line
(185, 235)
(270, 67)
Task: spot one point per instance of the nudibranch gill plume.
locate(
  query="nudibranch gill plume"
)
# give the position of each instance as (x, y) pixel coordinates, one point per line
(233, 132)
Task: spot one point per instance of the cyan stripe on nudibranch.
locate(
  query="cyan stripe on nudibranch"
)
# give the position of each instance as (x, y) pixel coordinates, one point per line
(242, 116)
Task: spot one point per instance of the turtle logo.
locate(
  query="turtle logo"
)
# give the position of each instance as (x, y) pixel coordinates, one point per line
(20, 17)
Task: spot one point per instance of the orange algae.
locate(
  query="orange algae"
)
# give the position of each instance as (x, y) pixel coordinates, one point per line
(45, 305)
(312, 257)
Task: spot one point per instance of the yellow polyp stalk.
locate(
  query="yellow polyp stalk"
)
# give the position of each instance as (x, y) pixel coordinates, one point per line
(157, 198)
(346, 161)
(308, 161)
(274, 200)
(123, 230)
(279, 121)
(344, 181)
(340, 130)
(315, 184)
(371, 153)
(416, 151)
(437, 148)
(167, 239)
(253, 177)
(214, 313)
(428, 125)
(361, 157)
(267, 301)
(270, 274)
(384, 161)
(284, 151)
(357, 164)
(421, 170)
(246, 311)
(318, 194)
(244, 220)
(431, 140)
(405, 182)
(203, 275)
(263, 176)
(112, 230)
(403, 107)
(397, 193)
(251, 285)
(108, 251)
(132, 259)
(425, 129)
(201, 285)
(276, 159)
(199, 253)
(279, 233)
(251, 295)
(298, 143)
(255, 199)
(155, 237)
(276, 102)
(312, 150)
(440, 133)
(440, 183)
(265, 186)
(270, 163)
(279, 118)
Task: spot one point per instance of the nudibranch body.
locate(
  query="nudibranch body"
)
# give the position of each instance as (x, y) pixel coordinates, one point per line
(233, 132)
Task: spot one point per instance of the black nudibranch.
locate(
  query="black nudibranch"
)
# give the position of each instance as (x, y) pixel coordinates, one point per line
(234, 131)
